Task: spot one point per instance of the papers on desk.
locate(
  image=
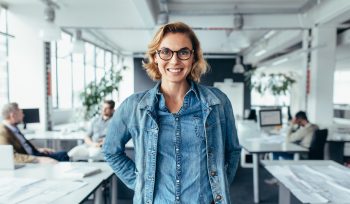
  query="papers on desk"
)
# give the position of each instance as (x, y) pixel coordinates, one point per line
(80, 172)
(316, 184)
(23, 190)
(268, 139)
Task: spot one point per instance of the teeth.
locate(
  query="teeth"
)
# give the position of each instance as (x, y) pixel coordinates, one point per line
(175, 70)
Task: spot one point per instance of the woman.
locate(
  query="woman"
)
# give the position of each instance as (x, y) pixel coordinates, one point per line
(184, 135)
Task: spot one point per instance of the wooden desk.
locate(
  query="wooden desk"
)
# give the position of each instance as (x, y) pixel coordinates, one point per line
(52, 171)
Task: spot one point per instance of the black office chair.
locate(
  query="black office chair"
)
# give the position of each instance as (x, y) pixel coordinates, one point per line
(252, 115)
(316, 150)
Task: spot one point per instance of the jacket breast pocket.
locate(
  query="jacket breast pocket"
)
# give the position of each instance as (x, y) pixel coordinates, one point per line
(199, 127)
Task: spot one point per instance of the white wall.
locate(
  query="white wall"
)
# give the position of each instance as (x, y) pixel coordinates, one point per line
(26, 65)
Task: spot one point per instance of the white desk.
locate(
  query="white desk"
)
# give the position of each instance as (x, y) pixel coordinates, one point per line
(250, 138)
(56, 137)
(309, 181)
(49, 171)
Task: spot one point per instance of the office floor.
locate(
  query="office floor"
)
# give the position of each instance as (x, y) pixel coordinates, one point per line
(242, 188)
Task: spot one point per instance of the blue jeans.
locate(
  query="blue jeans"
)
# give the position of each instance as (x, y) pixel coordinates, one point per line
(59, 156)
(283, 155)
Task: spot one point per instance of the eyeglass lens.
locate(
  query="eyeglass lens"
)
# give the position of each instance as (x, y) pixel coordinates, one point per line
(182, 54)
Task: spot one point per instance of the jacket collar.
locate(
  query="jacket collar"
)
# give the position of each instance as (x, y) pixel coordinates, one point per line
(206, 95)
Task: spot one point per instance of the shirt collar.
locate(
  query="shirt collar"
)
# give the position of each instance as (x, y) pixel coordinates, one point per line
(192, 89)
(11, 127)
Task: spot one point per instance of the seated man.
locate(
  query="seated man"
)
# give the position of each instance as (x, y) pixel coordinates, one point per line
(24, 150)
(300, 132)
(95, 134)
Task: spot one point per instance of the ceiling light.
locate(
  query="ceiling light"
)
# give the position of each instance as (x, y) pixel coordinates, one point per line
(280, 61)
(269, 34)
(78, 45)
(259, 53)
(50, 31)
(238, 21)
(238, 67)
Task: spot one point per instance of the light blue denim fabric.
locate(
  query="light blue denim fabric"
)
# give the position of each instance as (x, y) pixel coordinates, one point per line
(181, 171)
(136, 119)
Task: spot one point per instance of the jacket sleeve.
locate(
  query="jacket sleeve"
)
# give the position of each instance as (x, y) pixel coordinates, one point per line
(24, 158)
(232, 147)
(299, 134)
(114, 147)
(18, 157)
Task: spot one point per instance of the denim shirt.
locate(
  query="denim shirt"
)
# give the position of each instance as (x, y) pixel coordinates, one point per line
(136, 119)
(181, 175)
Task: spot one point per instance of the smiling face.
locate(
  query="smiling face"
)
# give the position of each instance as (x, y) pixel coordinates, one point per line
(175, 70)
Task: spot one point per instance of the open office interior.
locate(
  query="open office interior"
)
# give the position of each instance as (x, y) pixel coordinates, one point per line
(60, 59)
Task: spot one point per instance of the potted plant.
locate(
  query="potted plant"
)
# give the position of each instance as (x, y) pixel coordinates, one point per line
(95, 92)
(276, 83)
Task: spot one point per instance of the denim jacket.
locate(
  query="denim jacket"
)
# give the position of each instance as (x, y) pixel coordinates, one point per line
(136, 119)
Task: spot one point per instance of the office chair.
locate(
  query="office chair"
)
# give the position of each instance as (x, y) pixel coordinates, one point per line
(252, 115)
(316, 150)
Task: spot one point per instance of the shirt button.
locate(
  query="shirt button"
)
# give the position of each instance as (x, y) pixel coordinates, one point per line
(177, 198)
(213, 173)
(218, 197)
(177, 181)
(176, 119)
(177, 149)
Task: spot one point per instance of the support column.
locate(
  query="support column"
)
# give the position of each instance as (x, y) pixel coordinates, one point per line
(322, 66)
(298, 91)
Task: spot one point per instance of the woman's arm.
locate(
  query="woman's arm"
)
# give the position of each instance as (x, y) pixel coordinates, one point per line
(114, 147)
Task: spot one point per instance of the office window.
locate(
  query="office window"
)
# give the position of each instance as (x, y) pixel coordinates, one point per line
(78, 78)
(89, 63)
(4, 66)
(71, 73)
(108, 61)
(341, 87)
(64, 72)
(100, 57)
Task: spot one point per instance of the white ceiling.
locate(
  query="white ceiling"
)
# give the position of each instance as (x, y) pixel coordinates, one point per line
(128, 25)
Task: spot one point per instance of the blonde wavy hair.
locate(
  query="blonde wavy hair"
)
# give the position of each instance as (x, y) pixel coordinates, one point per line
(200, 66)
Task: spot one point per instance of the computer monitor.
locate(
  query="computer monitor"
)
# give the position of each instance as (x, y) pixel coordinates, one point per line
(270, 117)
(31, 115)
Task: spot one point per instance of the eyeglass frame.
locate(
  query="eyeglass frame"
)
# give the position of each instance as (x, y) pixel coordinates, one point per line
(172, 53)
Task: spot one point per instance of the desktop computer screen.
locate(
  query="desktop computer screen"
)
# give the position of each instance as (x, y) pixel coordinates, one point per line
(271, 117)
(31, 116)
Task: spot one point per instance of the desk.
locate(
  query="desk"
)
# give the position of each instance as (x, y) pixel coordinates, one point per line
(250, 139)
(56, 137)
(310, 181)
(50, 171)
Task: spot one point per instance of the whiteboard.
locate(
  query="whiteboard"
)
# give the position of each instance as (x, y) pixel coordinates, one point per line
(235, 93)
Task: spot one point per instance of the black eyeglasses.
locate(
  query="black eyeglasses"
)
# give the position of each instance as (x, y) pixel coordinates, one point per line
(182, 54)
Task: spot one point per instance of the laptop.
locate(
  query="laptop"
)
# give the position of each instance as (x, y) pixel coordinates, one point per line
(7, 158)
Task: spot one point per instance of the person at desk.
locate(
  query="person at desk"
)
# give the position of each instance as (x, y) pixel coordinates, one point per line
(95, 133)
(300, 132)
(25, 151)
(184, 134)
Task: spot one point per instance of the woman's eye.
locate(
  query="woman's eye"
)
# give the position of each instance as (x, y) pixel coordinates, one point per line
(165, 51)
